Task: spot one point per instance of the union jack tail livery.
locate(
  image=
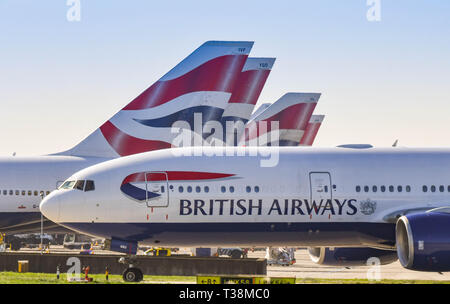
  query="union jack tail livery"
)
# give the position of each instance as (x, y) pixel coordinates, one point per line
(201, 84)
(291, 112)
(250, 83)
(311, 130)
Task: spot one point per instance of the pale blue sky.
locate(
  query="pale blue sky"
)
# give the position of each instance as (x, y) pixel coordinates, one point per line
(379, 81)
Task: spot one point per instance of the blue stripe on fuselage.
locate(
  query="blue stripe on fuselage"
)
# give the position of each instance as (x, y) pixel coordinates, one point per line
(137, 193)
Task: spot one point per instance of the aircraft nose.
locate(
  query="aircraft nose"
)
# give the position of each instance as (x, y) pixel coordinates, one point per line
(50, 207)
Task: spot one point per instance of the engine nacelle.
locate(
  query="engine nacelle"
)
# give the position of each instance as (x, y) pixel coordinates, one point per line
(121, 246)
(423, 240)
(350, 256)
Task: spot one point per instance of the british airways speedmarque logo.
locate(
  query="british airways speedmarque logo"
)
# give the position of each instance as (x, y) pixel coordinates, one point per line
(136, 185)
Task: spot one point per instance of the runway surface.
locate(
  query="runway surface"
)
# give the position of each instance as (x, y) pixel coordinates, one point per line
(305, 268)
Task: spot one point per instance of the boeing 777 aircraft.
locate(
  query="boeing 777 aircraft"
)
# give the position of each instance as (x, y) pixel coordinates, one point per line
(201, 83)
(390, 202)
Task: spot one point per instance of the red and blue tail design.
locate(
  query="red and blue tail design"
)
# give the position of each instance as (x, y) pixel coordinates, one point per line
(201, 83)
(245, 95)
(292, 112)
(311, 130)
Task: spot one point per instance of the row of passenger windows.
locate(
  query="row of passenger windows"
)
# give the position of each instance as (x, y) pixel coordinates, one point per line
(383, 188)
(407, 188)
(433, 188)
(24, 192)
(223, 189)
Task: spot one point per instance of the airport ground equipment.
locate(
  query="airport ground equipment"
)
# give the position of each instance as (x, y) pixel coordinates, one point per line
(158, 251)
(280, 256)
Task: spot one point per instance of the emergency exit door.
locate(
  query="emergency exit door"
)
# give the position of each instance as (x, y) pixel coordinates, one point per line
(320, 186)
(157, 189)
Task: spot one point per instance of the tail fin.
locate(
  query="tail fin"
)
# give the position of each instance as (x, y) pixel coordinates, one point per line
(202, 83)
(250, 83)
(292, 112)
(311, 130)
(259, 110)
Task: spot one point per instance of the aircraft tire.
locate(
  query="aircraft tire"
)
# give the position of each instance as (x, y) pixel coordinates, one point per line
(132, 275)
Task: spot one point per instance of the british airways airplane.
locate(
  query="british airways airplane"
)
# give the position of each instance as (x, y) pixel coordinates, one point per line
(368, 202)
(202, 83)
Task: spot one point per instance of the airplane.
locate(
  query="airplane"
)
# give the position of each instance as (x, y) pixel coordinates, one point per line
(203, 82)
(393, 202)
(292, 112)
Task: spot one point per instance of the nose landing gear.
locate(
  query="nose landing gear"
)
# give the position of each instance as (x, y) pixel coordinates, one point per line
(132, 273)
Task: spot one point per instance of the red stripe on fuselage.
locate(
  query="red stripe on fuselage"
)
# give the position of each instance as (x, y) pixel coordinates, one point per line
(173, 176)
(218, 74)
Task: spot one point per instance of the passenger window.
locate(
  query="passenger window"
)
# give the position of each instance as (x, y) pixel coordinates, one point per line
(326, 188)
(79, 185)
(358, 189)
(35, 193)
(383, 188)
(223, 189)
(11, 192)
(366, 188)
(399, 188)
(231, 189)
(248, 189)
(256, 189)
(441, 188)
(17, 192)
(448, 188)
(197, 189)
(30, 193)
(433, 188)
(24, 192)
(5, 192)
(89, 185)
(374, 189)
(206, 189)
(180, 189)
(425, 189)
(41, 193)
(47, 193)
(391, 188)
(189, 189)
(408, 188)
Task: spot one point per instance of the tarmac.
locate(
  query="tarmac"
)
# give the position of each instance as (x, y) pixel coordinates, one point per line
(305, 268)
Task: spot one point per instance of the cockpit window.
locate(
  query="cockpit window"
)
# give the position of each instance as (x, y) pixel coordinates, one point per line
(79, 185)
(67, 185)
(83, 185)
(89, 185)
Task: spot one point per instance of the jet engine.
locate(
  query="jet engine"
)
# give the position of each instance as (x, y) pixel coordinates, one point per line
(350, 256)
(423, 240)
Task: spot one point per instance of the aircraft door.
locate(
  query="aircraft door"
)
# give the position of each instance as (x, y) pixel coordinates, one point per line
(157, 189)
(320, 186)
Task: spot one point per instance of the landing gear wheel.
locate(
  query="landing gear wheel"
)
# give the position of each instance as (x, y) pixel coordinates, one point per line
(235, 254)
(132, 274)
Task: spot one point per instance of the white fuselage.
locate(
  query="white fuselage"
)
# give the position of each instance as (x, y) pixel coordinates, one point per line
(313, 196)
(25, 180)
